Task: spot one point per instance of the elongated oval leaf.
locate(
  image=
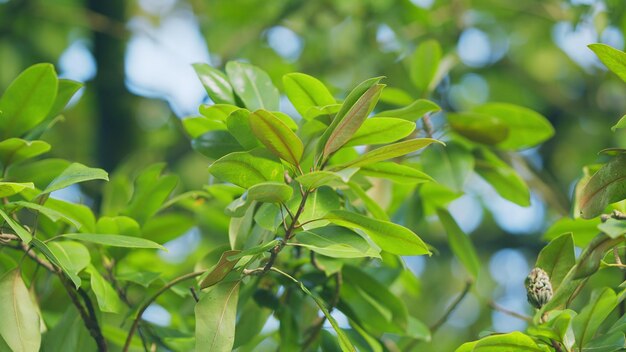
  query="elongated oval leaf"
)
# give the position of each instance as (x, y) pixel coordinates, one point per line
(20, 231)
(527, 128)
(389, 152)
(276, 136)
(395, 172)
(221, 269)
(20, 321)
(460, 243)
(557, 258)
(606, 186)
(424, 63)
(336, 242)
(253, 86)
(270, 192)
(108, 300)
(306, 92)
(216, 315)
(381, 130)
(215, 144)
(238, 124)
(321, 178)
(353, 119)
(28, 100)
(215, 83)
(412, 112)
(514, 341)
(620, 124)
(65, 91)
(478, 127)
(614, 59)
(502, 177)
(586, 323)
(73, 174)
(245, 169)
(450, 165)
(10, 188)
(14, 150)
(114, 240)
(390, 237)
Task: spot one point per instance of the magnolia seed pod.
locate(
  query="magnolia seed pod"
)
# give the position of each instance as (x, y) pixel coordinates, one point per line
(538, 288)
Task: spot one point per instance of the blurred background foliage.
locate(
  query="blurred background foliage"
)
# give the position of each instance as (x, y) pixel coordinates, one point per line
(135, 58)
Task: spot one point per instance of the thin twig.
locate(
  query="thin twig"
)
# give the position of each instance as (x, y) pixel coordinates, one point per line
(453, 306)
(501, 309)
(146, 304)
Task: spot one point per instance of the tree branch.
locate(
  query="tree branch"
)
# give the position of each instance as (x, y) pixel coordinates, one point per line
(146, 304)
(453, 306)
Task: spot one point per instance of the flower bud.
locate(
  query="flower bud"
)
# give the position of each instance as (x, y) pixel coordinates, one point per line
(538, 288)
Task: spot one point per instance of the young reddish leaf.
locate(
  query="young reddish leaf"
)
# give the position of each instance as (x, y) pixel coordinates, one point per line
(276, 136)
(606, 186)
(221, 269)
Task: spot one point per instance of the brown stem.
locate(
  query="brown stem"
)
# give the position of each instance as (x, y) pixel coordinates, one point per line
(145, 306)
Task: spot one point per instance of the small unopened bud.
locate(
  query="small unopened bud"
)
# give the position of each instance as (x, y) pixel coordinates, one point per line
(538, 288)
(288, 179)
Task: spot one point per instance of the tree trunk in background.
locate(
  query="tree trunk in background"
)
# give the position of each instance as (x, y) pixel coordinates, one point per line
(116, 127)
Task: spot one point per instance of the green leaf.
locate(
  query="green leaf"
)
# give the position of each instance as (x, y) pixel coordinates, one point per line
(270, 192)
(108, 300)
(316, 111)
(196, 126)
(389, 152)
(396, 96)
(21, 232)
(69, 334)
(215, 83)
(372, 303)
(215, 144)
(395, 172)
(216, 315)
(318, 204)
(306, 92)
(71, 257)
(413, 112)
(78, 213)
(316, 179)
(613, 228)
(449, 166)
(502, 177)
(143, 278)
(73, 174)
(514, 341)
(28, 99)
(372, 206)
(118, 225)
(589, 260)
(20, 320)
(152, 189)
(224, 266)
(238, 123)
(390, 237)
(344, 341)
(114, 240)
(65, 91)
(39, 172)
(620, 124)
(606, 343)
(527, 128)
(424, 63)
(14, 150)
(606, 186)
(343, 130)
(254, 250)
(49, 213)
(585, 324)
(614, 59)
(246, 169)
(583, 230)
(11, 188)
(336, 242)
(347, 105)
(482, 128)
(217, 112)
(381, 130)
(276, 136)
(460, 243)
(253, 86)
(557, 258)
